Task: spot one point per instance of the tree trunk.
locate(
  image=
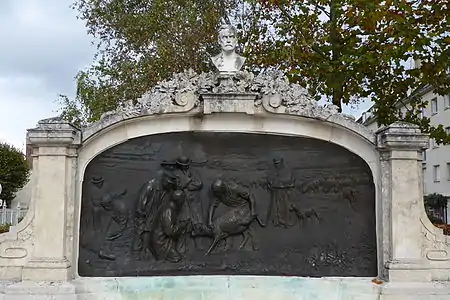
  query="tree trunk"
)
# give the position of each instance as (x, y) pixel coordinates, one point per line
(336, 79)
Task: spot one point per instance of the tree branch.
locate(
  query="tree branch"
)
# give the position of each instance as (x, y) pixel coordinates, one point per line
(312, 47)
(321, 8)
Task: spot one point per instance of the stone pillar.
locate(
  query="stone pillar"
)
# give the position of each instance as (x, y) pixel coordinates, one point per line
(400, 146)
(54, 150)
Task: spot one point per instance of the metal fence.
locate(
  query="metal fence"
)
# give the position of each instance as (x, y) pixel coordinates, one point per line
(11, 216)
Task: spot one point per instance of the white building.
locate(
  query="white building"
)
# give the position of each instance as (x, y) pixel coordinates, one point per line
(436, 160)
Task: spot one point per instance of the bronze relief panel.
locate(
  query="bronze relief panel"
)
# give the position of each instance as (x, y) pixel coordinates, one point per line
(196, 203)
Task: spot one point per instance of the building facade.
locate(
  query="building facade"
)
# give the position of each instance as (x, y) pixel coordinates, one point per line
(436, 160)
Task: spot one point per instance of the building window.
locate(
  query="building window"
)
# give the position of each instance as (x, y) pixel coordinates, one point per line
(447, 101)
(424, 155)
(436, 174)
(434, 106)
(448, 171)
(447, 130)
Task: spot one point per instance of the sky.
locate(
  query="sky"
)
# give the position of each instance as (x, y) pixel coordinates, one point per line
(43, 47)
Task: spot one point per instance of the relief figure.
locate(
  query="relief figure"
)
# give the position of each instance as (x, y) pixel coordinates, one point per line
(152, 195)
(96, 195)
(167, 228)
(190, 183)
(110, 205)
(281, 184)
(236, 220)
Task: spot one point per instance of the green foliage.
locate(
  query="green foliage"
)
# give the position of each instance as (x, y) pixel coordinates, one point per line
(343, 50)
(435, 200)
(14, 171)
(5, 227)
(140, 43)
(352, 50)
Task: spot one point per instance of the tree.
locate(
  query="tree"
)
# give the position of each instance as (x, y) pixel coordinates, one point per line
(141, 42)
(14, 171)
(348, 50)
(343, 50)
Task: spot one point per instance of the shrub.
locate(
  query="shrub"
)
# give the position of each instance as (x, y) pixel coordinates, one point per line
(436, 209)
(435, 200)
(14, 171)
(4, 227)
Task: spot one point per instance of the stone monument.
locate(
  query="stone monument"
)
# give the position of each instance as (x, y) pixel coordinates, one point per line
(232, 174)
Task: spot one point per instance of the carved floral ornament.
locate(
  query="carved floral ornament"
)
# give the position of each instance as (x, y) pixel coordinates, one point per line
(184, 92)
(269, 92)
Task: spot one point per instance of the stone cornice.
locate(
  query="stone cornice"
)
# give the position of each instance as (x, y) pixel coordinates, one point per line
(401, 136)
(54, 132)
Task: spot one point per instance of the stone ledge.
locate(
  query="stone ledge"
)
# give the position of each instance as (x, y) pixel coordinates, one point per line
(402, 136)
(54, 132)
(224, 288)
(417, 288)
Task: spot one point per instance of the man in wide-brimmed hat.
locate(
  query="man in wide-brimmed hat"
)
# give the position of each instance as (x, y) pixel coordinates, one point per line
(152, 196)
(191, 183)
(97, 180)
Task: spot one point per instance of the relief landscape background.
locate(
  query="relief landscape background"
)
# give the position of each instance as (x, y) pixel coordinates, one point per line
(333, 234)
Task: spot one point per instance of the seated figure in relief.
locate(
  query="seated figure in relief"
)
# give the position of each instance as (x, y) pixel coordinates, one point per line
(167, 229)
(228, 61)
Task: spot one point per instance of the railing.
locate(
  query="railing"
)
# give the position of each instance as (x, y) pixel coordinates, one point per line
(11, 216)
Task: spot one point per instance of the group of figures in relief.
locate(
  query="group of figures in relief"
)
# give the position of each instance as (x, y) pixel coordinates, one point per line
(168, 217)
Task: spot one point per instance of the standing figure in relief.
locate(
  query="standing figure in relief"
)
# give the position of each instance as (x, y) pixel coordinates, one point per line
(109, 215)
(228, 61)
(190, 183)
(151, 197)
(281, 184)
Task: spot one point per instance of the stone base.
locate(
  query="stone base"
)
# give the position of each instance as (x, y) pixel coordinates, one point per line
(47, 270)
(223, 288)
(408, 271)
(416, 291)
(40, 291)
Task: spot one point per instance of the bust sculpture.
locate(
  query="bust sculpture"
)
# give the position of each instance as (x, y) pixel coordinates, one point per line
(228, 61)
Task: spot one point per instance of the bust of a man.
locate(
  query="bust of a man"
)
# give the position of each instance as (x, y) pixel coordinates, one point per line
(228, 61)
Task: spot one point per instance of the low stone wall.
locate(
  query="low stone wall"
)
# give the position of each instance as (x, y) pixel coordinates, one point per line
(224, 288)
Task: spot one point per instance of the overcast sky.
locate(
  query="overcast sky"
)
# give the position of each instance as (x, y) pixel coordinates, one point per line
(43, 47)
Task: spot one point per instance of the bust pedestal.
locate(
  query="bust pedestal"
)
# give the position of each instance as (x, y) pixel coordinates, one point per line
(229, 96)
(229, 102)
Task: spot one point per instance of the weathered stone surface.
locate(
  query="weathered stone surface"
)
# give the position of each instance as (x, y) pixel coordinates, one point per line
(215, 92)
(413, 254)
(54, 143)
(402, 136)
(237, 103)
(224, 288)
(400, 145)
